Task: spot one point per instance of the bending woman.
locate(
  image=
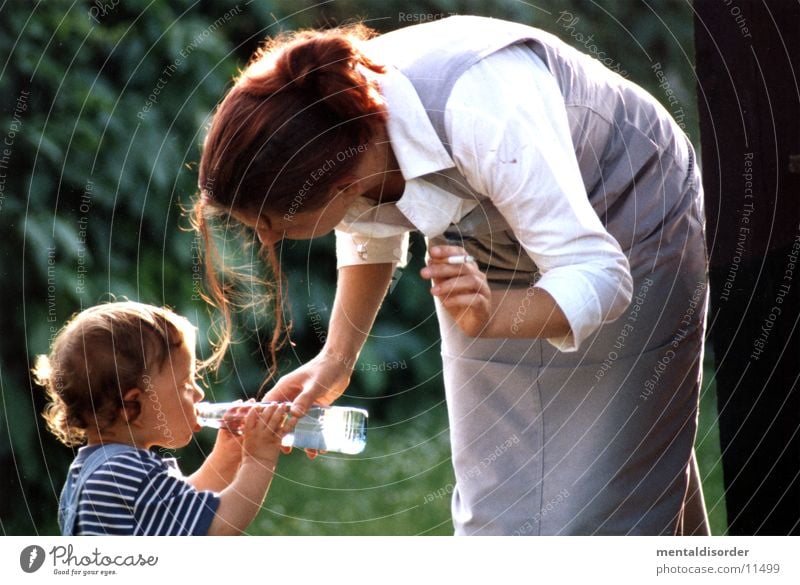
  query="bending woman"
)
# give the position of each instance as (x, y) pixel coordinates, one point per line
(572, 345)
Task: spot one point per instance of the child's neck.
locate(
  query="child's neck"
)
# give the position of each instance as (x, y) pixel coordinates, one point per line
(126, 436)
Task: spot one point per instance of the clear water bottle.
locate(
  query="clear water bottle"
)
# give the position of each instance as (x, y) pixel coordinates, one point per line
(342, 429)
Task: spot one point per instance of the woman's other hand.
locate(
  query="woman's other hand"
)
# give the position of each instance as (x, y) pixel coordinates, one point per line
(461, 288)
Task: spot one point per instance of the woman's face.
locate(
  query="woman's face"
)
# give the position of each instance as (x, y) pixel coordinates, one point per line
(376, 176)
(298, 224)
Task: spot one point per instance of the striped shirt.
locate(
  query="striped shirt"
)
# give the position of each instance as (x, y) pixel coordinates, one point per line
(136, 492)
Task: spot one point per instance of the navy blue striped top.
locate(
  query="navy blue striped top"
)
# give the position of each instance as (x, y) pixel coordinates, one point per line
(137, 492)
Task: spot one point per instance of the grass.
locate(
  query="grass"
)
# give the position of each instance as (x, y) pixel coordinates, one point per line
(402, 482)
(709, 458)
(400, 485)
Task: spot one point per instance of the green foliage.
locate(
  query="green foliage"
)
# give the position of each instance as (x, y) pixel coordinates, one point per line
(105, 104)
(707, 448)
(400, 485)
(101, 159)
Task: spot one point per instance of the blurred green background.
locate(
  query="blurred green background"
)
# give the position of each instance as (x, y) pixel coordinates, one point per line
(94, 171)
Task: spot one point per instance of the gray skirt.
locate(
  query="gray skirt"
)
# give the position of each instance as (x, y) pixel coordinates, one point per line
(599, 441)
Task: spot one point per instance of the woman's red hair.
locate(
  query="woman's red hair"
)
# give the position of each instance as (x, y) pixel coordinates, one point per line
(302, 99)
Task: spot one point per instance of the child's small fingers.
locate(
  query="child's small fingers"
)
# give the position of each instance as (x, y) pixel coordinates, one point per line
(235, 412)
(272, 416)
(276, 422)
(264, 413)
(250, 420)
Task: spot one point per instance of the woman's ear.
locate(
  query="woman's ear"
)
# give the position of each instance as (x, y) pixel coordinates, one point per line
(132, 405)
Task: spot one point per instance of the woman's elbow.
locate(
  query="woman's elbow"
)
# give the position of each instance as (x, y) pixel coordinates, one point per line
(623, 293)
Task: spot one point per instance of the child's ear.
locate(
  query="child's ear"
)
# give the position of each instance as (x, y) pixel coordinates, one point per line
(132, 405)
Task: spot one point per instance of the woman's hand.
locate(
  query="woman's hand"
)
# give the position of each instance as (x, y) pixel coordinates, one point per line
(359, 292)
(461, 288)
(320, 381)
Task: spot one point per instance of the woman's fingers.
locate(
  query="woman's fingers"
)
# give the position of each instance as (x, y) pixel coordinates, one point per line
(465, 301)
(440, 270)
(441, 253)
(460, 286)
(470, 283)
(304, 401)
(285, 390)
(448, 261)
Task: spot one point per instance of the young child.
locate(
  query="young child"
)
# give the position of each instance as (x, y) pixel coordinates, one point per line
(121, 377)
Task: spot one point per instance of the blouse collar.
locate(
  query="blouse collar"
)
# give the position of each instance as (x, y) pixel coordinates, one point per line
(419, 152)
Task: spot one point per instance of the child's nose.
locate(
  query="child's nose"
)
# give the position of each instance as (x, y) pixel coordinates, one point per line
(199, 394)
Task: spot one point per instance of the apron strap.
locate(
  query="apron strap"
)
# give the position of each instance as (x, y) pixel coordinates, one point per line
(68, 503)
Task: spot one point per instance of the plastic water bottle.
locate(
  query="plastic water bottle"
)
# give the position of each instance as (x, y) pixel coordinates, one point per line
(342, 429)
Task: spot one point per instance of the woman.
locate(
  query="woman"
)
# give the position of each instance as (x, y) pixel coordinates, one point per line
(572, 409)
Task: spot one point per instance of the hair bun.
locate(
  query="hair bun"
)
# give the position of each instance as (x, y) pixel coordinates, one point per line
(314, 64)
(319, 65)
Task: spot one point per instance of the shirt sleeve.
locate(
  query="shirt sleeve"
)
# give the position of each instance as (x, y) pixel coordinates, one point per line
(353, 248)
(511, 141)
(168, 505)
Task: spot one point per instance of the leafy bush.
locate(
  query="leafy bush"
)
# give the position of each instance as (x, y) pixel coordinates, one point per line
(104, 105)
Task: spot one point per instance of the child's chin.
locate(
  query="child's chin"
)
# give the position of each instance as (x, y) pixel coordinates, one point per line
(180, 442)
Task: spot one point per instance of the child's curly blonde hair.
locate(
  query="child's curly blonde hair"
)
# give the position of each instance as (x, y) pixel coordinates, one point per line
(98, 356)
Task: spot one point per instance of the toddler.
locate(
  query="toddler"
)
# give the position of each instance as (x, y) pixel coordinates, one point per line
(121, 378)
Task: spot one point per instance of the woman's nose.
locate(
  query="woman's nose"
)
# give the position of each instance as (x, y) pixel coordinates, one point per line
(199, 392)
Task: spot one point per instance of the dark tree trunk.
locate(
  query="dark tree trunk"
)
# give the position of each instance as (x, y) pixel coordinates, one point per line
(748, 74)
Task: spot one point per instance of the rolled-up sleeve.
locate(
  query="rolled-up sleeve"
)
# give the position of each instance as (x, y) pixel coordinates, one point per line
(353, 248)
(513, 144)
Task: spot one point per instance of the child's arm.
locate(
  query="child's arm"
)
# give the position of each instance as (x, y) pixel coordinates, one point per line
(242, 499)
(220, 467)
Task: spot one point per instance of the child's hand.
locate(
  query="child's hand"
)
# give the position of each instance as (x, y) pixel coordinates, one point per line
(228, 446)
(240, 501)
(263, 431)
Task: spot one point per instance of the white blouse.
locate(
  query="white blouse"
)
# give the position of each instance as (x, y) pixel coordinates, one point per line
(510, 139)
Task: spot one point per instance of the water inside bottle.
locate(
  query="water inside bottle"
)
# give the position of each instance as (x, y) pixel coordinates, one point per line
(334, 428)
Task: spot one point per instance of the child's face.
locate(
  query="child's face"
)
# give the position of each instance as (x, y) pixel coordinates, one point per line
(169, 401)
